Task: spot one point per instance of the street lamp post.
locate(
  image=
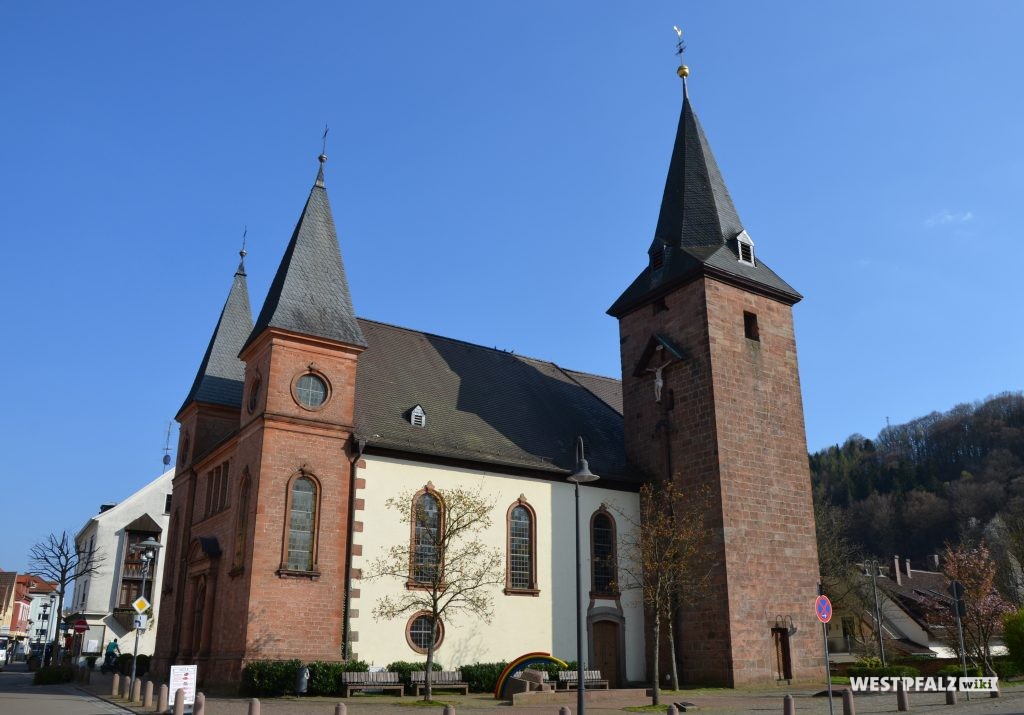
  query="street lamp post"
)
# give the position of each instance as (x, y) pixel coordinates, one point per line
(582, 475)
(149, 548)
(872, 567)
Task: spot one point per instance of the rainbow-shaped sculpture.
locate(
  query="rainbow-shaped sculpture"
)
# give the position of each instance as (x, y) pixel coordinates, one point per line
(518, 664)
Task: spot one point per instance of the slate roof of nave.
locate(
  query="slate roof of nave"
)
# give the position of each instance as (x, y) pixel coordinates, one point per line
(484, 404)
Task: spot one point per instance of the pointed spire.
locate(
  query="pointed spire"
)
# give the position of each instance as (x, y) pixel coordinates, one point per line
(309, 293)
(698, 227)
(221, 374)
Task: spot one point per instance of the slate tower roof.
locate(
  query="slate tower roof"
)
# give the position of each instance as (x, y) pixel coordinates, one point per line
(309, 293)
(697, 229)
(221, 374)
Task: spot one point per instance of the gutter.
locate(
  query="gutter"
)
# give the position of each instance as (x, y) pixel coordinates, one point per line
(360, 447)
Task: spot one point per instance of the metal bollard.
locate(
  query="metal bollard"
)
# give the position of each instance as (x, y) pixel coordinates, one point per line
(147, 694)
(136, 691)
(341, 709)
(671, 710)
(254, 707)
(564, 710)
(788, 706)
(126, 688)
(950, 697)
(449, 710)
(994, 693)
(902, 699)
(848, 708)
(115, 689)
(161, 701)
(179, 702)
(199, 706)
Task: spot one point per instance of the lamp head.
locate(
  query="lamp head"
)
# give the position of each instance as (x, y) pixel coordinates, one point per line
(582, 475)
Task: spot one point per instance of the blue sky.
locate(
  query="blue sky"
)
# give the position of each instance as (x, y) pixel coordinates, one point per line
(495, 171)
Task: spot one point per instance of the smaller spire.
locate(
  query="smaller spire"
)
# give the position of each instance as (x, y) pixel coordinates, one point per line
(322, 158)
(243, 253)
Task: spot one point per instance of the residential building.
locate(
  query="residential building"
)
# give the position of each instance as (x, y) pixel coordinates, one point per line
(104, 597)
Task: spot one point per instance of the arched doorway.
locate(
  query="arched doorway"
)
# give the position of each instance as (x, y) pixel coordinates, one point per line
(607, 656)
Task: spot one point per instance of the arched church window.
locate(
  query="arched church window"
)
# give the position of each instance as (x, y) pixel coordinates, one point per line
(602, 551)
(522, 549)
(198, 604)
(426, 537)
(301, 525)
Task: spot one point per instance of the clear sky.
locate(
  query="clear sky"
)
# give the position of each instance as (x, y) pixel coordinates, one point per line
(495, 170)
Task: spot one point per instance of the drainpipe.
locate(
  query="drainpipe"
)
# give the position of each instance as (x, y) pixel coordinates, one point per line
(360, 447)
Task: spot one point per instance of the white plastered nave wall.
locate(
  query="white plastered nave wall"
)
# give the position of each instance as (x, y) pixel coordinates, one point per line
(520, 624)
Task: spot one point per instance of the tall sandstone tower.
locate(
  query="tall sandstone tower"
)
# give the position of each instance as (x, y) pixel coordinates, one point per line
(711, 400)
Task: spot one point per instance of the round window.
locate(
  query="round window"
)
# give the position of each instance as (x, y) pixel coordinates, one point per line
(419, 633)
(311, 391)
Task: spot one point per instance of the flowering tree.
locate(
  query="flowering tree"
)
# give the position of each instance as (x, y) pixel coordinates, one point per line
(984, 606)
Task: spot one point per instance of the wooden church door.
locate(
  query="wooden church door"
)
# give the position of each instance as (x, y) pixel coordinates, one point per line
(606, 651)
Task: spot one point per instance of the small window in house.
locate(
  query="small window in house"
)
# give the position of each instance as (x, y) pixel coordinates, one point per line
(659, 305)
(167, 504)
(750, 326)
(418, 417)
(658, 258)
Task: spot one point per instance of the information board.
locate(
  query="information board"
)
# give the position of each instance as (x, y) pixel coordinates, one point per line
(183, 677)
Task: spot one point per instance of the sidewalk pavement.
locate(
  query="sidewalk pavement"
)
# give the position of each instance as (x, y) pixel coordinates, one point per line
(720, 702)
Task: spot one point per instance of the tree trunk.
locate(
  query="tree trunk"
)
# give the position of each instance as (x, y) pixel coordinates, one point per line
(656, 690)
(672, 650)
(428, 676)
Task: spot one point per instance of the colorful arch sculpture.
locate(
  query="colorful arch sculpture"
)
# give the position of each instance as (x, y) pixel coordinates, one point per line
(518, 664)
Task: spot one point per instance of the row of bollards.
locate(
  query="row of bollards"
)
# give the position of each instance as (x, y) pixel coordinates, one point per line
(902, 701)
(139, 692)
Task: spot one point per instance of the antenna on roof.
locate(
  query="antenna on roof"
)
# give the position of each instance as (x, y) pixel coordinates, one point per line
(683, 71)
(167, 442)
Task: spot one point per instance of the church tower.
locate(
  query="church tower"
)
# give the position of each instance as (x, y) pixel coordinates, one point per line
(711, 400)
(295, 429)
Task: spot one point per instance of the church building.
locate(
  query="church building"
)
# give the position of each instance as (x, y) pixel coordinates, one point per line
(300, 427)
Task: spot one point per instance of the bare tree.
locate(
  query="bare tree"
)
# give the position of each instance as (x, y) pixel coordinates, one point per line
(664, 560)
(58, 559)
(446, 567)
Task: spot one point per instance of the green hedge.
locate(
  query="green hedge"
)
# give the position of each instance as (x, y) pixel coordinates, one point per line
(325, 677)
(53, 674)
(897, 671)
(405, 669)
(482, 677)
(269, 678)
(1006, 667)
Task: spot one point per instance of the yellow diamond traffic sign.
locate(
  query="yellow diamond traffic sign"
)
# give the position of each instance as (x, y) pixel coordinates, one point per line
(141, 605)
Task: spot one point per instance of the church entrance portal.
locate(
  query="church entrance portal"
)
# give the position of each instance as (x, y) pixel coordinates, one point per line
(606, 651)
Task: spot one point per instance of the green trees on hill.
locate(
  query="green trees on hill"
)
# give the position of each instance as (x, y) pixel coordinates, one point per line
(942, 478)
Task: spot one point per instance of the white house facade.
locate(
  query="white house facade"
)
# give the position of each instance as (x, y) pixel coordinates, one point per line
(104, 598)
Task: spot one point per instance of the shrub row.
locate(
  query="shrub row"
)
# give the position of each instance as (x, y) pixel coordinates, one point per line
(53, 674)
(900, 671)
(405, 669)
(482, 677)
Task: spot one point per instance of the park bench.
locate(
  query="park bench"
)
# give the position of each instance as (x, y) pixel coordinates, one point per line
(383, 681)
(439, 680)
(591, 679)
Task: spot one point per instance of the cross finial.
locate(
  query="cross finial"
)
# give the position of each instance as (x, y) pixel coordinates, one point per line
(243, 253)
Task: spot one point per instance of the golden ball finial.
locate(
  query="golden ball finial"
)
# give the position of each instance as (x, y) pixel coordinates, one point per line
(683, 71)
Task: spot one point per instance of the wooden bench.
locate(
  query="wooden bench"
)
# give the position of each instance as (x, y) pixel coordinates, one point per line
(384, 681)
(439, 680)
(591, 679)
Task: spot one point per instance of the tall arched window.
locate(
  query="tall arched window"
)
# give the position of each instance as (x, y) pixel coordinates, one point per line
(602, 553)
(426, 538)
(522, 550)
(241, 522)
(198, 605)
(302, 525)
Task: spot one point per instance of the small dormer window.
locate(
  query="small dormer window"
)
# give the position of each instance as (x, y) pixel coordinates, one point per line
(745, 248)
(657, 258)
(417, 417)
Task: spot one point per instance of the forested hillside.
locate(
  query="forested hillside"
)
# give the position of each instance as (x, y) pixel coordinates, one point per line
(937, 479)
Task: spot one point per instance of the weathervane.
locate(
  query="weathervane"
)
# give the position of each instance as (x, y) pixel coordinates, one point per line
(683, 70)
(323, 152)
(243, 253)
(167, 445)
